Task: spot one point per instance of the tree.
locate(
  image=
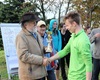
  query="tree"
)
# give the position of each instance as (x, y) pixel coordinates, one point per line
(21, 1)
(1, 43)
(89, 10)
(12, 10)
(67, 8)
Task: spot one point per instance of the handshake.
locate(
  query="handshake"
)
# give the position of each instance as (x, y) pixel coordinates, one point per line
(46, 61)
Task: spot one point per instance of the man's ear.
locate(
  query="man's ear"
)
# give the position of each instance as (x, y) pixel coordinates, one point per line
(25, 24)
(74, 24)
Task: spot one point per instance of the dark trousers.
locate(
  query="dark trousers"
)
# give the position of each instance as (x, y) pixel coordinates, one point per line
(51, 75)
(41, 78)
(62, 65)
(96, 69)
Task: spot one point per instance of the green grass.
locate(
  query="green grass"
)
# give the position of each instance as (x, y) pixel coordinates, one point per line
(3, 68)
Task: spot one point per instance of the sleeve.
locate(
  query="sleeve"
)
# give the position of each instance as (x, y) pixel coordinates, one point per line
(92, 37)
(60, 41)
(65, 50)
(23, 53)
(86, 55)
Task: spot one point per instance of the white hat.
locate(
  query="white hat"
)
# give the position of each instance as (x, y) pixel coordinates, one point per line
(39, 23)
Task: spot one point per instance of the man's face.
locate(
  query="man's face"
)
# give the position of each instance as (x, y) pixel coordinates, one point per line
(41, 29)
(70, 26)
(63, 28)
(31, 26)
(89, 30)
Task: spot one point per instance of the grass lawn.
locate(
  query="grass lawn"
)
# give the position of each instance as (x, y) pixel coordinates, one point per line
(3, 69)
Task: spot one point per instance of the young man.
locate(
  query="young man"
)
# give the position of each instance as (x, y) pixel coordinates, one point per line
(79, 47)
(30, 50)
(41, 28)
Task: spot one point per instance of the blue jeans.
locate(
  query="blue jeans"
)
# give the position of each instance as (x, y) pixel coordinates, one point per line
(96, 69)
(51, 75)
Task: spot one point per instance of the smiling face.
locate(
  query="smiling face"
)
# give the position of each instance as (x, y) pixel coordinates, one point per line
(41, 29)
(70, 25)
(73, 21)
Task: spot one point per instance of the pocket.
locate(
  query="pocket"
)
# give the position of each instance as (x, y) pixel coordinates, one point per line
(30, 69)
(97, 53)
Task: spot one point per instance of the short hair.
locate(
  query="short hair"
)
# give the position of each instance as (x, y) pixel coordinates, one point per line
(73, 16)
(61, 25)
(27, 17)
(86, 28)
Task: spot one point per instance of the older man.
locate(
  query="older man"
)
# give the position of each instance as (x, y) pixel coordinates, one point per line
(30, 50)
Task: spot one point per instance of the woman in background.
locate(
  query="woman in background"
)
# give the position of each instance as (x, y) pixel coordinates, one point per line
(56, 40)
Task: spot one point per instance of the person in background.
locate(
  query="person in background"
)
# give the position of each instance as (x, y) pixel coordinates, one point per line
(78, 46)
(95, 38)
(56, 40)
(30, 50)
(65, 36)
(88, 30)
(41, 28)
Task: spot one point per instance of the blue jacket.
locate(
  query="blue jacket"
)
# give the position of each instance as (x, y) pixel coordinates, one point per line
(45, 43)
(56, 39)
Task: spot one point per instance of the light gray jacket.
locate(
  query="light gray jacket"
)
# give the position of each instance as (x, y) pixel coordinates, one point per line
(96, 41)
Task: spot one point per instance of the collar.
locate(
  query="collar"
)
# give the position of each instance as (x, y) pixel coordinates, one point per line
(26, 32)
(45, 35)
(75, 35)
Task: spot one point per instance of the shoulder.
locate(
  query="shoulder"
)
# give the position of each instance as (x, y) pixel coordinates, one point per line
(59, 33)
(95, 30)
(84, 39)
(20, 34)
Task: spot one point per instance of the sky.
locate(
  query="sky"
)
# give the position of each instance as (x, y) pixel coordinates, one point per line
(48, 14)
(1, 0)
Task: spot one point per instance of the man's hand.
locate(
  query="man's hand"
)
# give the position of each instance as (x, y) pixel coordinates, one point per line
(46, 61)
(97, 35)
(88, 75)
(55, 67)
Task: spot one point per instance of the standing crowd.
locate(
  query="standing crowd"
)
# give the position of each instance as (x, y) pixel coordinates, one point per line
(69, 45)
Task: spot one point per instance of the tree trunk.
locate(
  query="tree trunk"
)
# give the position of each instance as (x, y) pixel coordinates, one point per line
(59, 14)
(67, 7)
(42, 7)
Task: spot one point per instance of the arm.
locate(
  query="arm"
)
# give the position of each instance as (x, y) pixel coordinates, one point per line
(94, 36)
(88, 75)
(62, 53)
(23, 53)
(60, 41)
(87, 58)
